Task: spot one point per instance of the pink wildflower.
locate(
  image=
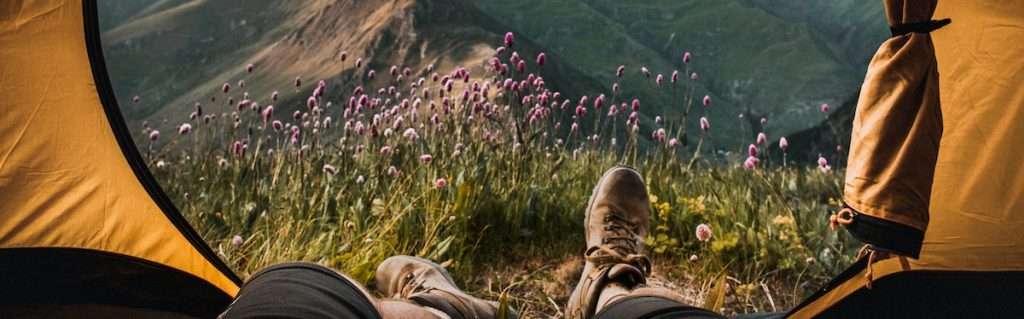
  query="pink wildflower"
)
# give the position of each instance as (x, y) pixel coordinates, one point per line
(184, 128)
(509, 39)
(703, 232)
(751, 162)
(311, 102)
(329, 169)
(659, 135)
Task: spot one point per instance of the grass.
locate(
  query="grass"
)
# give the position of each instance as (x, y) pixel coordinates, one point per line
(347, 186)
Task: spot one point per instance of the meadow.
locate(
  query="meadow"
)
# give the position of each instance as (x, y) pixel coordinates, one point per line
(489, 175)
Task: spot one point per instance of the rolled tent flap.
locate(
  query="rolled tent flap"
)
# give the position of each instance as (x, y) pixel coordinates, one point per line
(971, 262)
(82, 222)
(896, 132)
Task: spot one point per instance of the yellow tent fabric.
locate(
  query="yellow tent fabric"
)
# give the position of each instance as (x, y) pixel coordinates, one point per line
(70, 177)
(974, 235)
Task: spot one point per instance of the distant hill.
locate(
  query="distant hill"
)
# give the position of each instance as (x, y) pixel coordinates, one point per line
(776, 59)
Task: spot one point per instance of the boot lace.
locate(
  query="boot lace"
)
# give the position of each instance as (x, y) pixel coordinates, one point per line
(620, 244)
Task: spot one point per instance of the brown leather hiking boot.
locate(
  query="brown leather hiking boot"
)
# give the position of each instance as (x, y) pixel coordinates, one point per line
(616, 223)
(428, 284)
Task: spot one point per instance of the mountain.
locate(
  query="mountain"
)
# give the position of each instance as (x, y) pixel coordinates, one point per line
(774, 59)
(176, 53)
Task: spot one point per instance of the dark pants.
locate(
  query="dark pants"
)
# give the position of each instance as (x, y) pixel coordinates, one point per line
(300, 290)
(307, 290)
(649, 307)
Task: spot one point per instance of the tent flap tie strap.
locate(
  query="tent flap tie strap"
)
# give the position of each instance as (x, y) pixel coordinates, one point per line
(918, 27)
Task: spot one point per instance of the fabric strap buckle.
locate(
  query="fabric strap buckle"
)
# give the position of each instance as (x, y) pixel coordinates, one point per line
(918, 27)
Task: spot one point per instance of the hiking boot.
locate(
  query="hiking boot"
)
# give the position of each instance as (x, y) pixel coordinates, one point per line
(428, 284)
(616, 223)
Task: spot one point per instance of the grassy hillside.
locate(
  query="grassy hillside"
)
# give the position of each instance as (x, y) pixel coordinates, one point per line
(348, 186)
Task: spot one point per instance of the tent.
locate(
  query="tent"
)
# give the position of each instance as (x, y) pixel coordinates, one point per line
(936, 175)
(936, 168)
(85, 231)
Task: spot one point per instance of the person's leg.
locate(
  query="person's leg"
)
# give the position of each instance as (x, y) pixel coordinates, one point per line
(307, 290)
(613, 283)
(614, 292)
(427, 284)
(400, 309)
(652, 307)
